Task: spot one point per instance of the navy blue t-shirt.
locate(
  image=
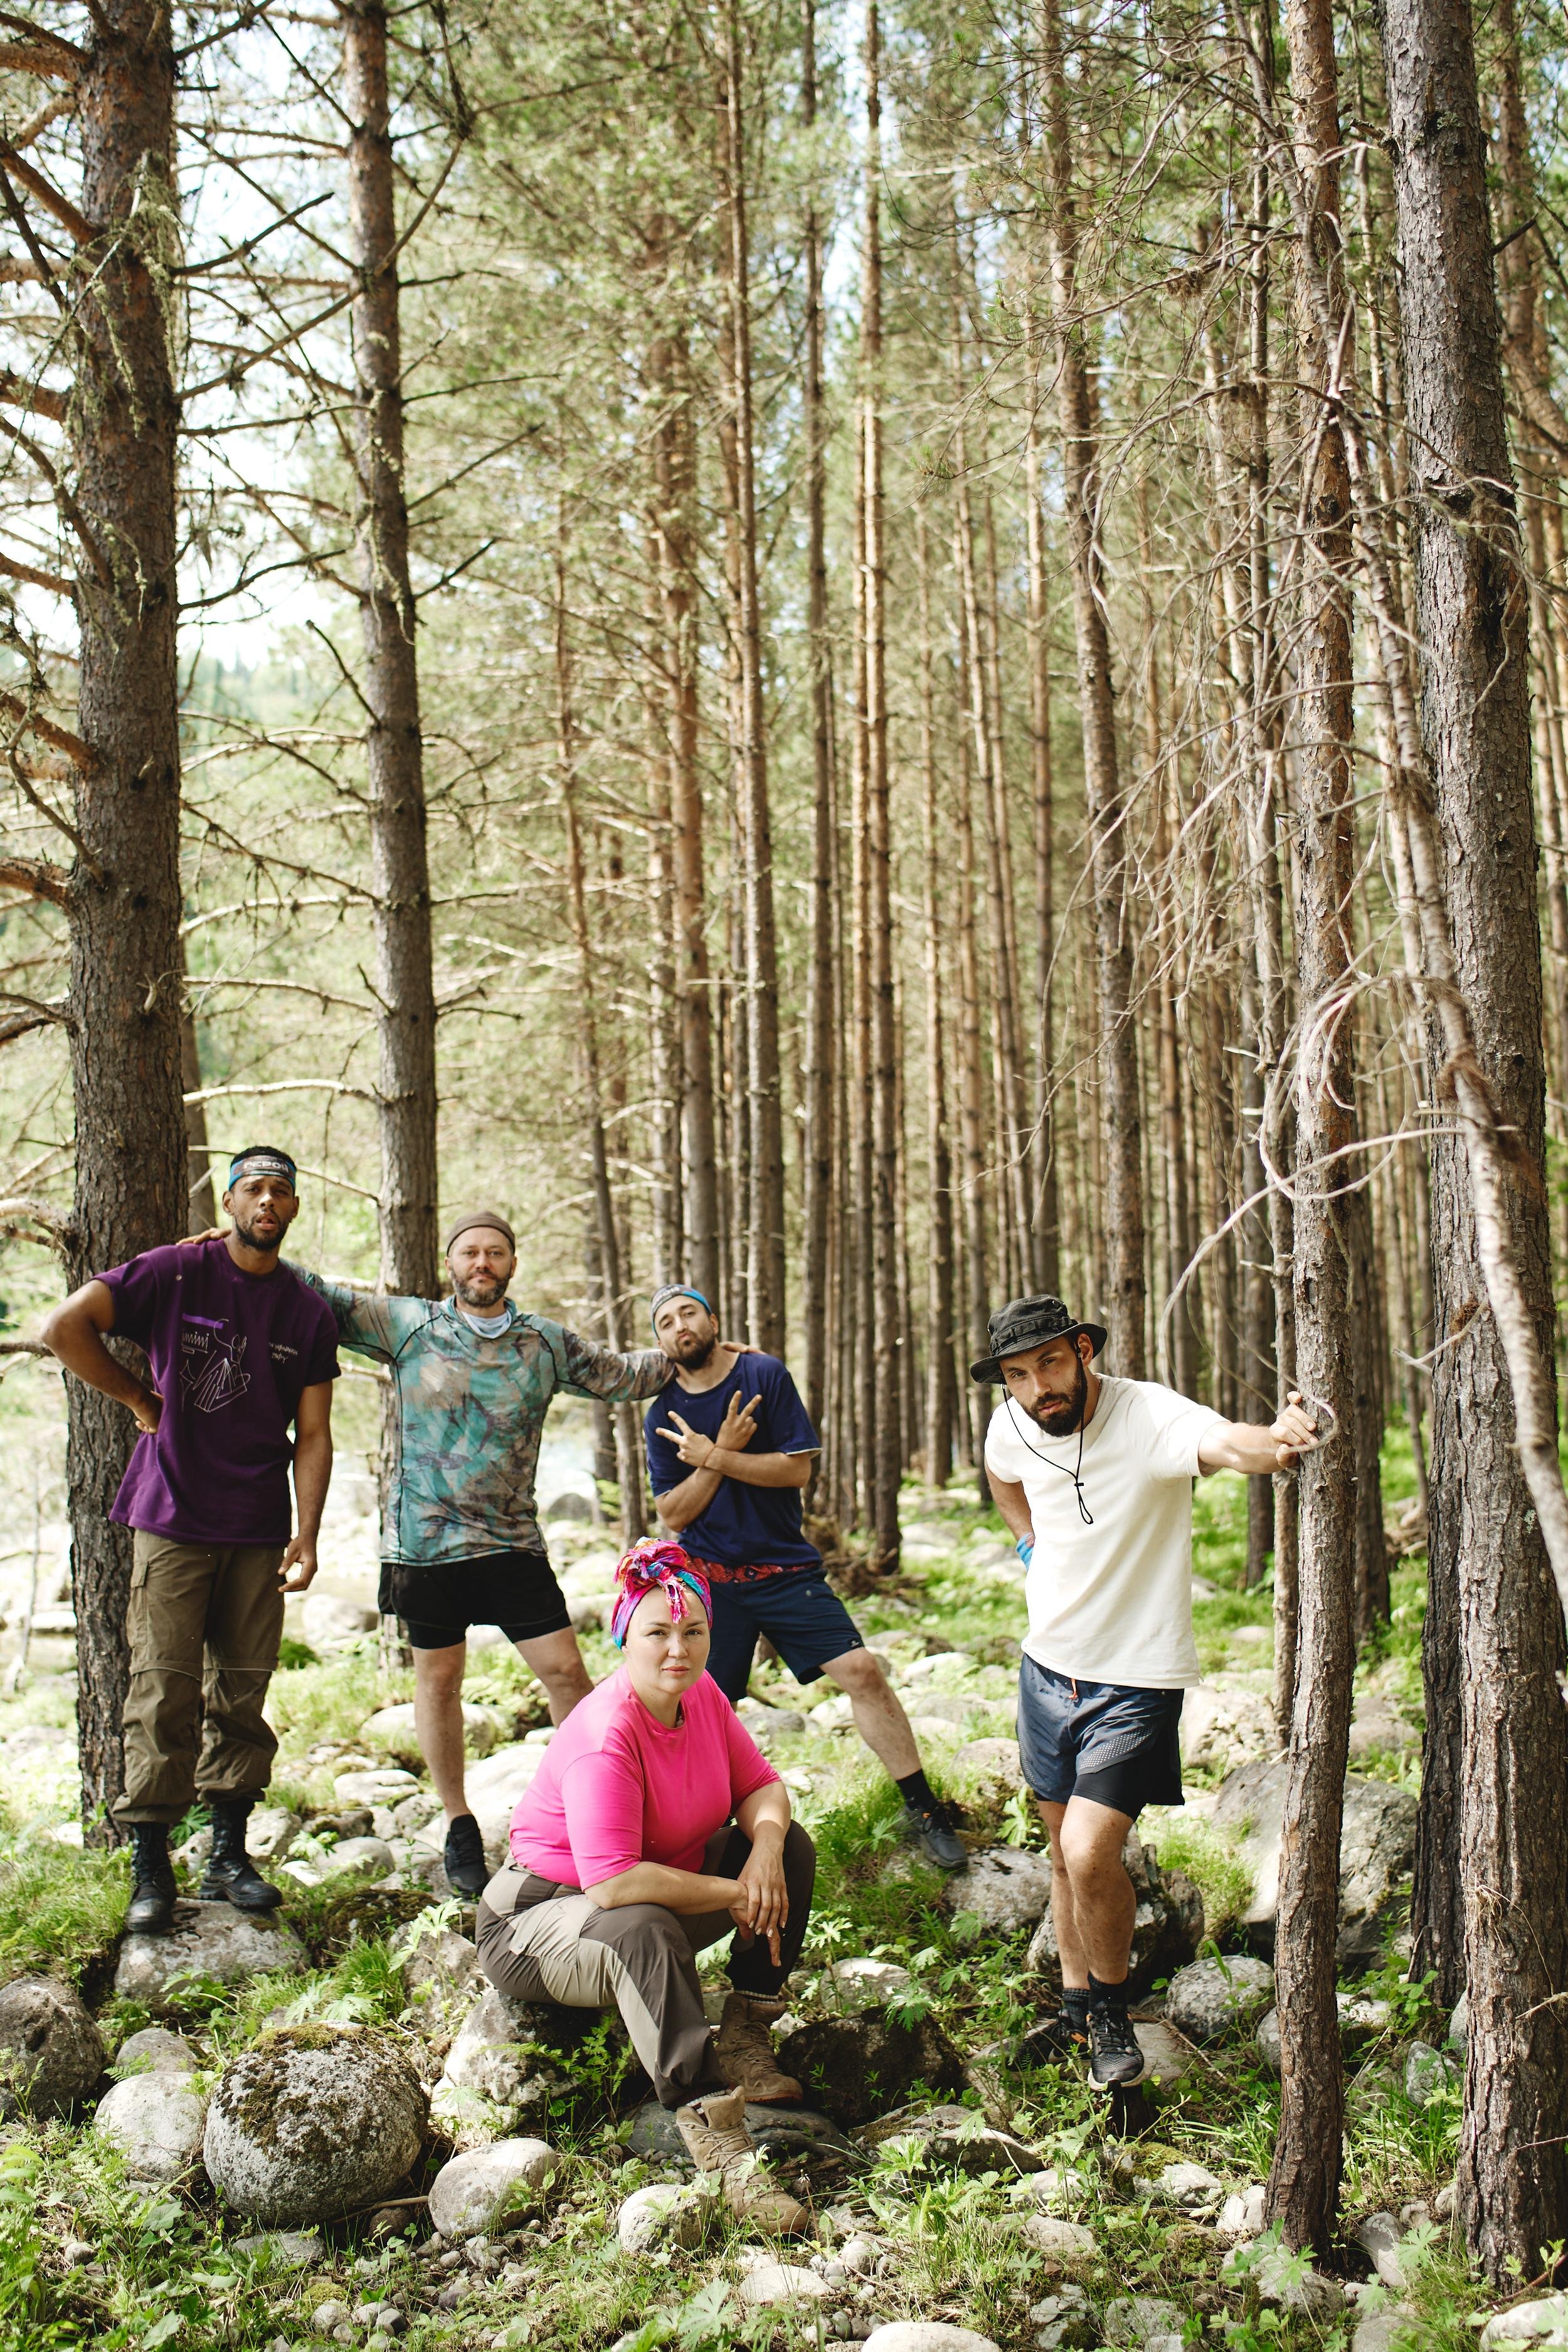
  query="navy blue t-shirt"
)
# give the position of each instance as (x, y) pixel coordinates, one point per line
(743, 1526)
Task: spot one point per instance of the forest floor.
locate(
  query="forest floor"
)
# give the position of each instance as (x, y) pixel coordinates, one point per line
(87, 2257)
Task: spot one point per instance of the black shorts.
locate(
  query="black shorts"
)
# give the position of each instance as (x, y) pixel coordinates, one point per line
(439, 1600)
(1111, 1742)
(798, 1611)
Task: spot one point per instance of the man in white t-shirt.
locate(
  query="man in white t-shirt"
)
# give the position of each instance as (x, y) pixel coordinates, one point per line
(1094, 1476)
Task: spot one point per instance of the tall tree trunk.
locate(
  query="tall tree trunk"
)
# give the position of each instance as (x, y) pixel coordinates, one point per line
(819, 1139)
(201, 1195)
(942, 1393)
(1304, 2180)
(124, 900)
(674, 490)
(400, 873)
(1485, 1536)
(868, 1400)
(765, 1116)
(888, 1454)
(1125, 1283)
(1046, 1266)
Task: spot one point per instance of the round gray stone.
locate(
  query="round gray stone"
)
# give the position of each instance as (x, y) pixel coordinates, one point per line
(155, 2051)
(156, 2121)
(314, 2122)
(476, 2192)
(926, 2336)
(1209, 1999)
(51, 2053)
(667, 2214)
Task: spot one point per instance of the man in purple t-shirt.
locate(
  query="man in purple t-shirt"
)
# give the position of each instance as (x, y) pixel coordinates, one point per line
(239, 1347)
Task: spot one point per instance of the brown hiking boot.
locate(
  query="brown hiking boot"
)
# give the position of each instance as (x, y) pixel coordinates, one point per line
(744, 2049)
(717, 2140)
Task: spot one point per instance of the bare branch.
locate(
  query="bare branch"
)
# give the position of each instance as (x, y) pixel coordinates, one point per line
(40, 879)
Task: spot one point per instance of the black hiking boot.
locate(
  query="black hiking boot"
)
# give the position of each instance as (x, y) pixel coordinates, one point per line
(463, 1857)
(937, 1839)
(151, 1911)
(231, 1877)
(1115, 2059)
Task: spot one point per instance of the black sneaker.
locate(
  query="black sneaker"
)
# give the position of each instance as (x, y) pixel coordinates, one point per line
(1052, 2038)
(1115, 2058)
(936, 1837)
(463, 1857)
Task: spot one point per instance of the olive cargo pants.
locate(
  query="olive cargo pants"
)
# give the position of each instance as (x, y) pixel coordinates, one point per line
(204, 1626)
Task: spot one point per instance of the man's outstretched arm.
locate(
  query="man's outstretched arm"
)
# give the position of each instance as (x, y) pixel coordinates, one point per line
(1251, 1447)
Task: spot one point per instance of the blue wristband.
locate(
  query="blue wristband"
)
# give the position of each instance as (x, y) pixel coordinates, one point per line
(1025, 1548)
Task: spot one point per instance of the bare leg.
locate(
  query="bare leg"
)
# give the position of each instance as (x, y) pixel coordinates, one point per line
(878, 1716)
(1092, 1902)
(438, 1721)
(558, 1662)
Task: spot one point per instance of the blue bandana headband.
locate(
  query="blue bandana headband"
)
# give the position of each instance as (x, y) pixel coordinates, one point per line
(262, 1160)
(673, 1290)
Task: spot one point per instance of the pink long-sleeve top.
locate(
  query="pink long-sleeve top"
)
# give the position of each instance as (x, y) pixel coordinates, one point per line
(617, 1787)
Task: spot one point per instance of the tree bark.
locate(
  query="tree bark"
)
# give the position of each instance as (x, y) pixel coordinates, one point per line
(1125, 1282)
(941, 1390)
(1304, 2180)
(124, 900)
(675, 491)
(1486, 1537)
(819, 1139)
(888, 1452)
(764, 1201)
(1045, 1269)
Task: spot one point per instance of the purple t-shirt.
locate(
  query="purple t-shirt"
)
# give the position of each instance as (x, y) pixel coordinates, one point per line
(230, 1353)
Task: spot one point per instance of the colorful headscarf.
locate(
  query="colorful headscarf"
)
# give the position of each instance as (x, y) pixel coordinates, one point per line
(664, 1293)
(656, 1565)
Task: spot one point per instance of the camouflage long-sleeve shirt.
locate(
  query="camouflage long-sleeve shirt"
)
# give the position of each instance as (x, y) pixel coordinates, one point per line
(470, 1412)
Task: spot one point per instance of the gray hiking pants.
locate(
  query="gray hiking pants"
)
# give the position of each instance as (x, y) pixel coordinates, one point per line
(539, 1941)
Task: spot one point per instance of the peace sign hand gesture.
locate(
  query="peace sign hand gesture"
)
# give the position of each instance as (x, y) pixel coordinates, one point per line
(736, 1431)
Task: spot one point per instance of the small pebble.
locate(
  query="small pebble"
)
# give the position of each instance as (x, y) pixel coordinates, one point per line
(330, 2316)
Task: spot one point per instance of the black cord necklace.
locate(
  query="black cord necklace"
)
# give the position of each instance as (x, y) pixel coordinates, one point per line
(1075, 1475)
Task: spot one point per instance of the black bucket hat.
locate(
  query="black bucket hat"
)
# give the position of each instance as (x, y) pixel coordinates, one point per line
(1029, 1323)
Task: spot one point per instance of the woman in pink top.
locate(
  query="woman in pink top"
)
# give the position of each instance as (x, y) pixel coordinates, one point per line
(655, 1826)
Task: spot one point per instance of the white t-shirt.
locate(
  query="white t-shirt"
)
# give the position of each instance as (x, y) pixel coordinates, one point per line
(1112, 1602)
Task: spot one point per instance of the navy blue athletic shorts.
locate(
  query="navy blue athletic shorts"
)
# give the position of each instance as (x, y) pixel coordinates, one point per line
(798, 1611)
(1112, 1743)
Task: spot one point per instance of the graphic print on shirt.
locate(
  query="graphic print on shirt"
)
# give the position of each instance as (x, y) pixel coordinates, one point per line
(211, 1372)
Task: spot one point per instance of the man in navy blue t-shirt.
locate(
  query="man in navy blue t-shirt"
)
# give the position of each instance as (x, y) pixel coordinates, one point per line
(729, 1462)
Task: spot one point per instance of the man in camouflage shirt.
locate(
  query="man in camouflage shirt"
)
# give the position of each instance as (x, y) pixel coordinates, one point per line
(473, 1376)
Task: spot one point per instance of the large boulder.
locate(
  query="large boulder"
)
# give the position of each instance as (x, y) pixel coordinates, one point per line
(1005, 1888)
(330, 1624)
(51, 2053)
(1167, 1926)
(1209, 1999)
(854, 2068)
(1377, 1853)
(1228, 1720)
(479, 2191)
(156, 2121)
(212, 1941)
(314, 2122)
(495, 2073)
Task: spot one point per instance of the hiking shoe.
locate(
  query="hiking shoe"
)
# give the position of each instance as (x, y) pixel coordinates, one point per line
(230, 1875)
(1114, 2056)
(1052, 2038)
(463, 1857)
(936, 1837)
(151, 1911)
(714, 2131)
(744, 2049)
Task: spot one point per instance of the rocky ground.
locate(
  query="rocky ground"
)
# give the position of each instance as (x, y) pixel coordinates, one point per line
(327, 2129)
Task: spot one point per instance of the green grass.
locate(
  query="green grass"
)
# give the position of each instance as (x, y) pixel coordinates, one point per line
(61, 1906)
(1210, 1862)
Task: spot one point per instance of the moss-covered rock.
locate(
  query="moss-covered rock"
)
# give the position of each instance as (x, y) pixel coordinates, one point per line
(314, 2122)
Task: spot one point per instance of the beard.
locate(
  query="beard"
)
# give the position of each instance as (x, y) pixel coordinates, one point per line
(263, 1243)
(691, 1353)
(482, 1292)
(1060, 1419)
